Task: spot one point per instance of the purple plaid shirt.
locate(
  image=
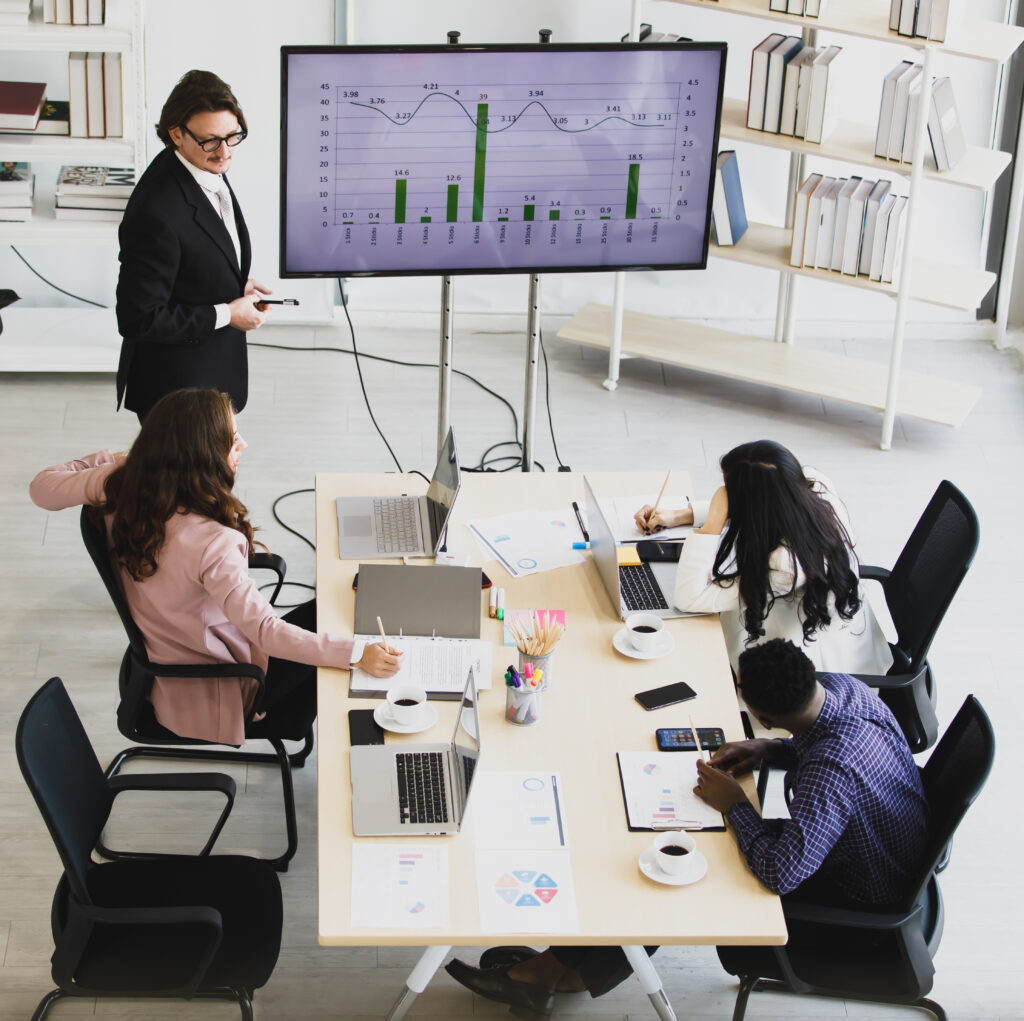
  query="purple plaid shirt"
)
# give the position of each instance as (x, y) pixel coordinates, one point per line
(858, 813)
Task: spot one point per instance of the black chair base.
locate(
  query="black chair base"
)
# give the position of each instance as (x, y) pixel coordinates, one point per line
(281, 757)
(243, 997)
(756, 985)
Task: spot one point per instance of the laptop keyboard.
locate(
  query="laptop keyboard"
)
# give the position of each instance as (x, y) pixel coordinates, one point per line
(396, 522)
(421, 792)
(639, 589)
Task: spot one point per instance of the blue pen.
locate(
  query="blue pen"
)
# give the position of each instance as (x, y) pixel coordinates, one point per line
(581, 545)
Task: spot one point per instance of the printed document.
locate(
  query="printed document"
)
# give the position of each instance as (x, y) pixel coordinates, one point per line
(529, 541)
(619, 511)
(526, 891)
(658, 791)
(519, 810)
(435, 664)
(400, 886)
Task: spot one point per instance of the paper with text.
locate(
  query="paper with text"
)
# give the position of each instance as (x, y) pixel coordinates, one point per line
(658, 791)
(435, 664)
(529, 541)
(619, 511)
(526, 891)
(519, 810)
(400, 886)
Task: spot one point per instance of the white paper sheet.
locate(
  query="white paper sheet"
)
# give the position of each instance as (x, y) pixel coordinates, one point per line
(530, 541)
(519, 810)
(619, 511)
(400, 885)
(659, 794)
(526, 891)
(435, 664)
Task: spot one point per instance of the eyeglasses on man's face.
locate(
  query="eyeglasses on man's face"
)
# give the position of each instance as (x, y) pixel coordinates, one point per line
(213, 144)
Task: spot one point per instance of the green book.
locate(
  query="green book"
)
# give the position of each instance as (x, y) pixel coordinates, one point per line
(54, 119)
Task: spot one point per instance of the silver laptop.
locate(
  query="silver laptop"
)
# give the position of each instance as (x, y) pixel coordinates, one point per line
(409, 788)
(392, 526)
(632, 588)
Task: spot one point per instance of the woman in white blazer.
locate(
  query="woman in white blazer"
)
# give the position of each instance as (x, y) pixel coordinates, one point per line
(772, 553)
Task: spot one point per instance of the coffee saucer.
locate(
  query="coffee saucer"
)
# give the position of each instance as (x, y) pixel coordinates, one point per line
(428, 717)
(622, 644)
(652, 870)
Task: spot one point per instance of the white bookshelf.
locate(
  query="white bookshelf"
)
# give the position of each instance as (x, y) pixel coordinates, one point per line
(27, 342)
(884, 388)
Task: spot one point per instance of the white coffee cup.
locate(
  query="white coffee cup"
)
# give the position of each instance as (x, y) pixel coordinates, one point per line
(406, 703)
(645, 631)
(675, 852)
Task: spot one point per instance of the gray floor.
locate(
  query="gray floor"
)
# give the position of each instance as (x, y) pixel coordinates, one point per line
(306, 414)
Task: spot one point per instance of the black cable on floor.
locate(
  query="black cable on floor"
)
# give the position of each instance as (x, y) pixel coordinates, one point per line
(50, 283)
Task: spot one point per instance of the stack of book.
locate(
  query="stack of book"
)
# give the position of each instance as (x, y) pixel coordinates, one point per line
(808, 8)
(14, 12)
(17, 185)
(74, 12)
(728, 213)
(93, 193)
(94, 86)
(848, 225)
(21, 104)
(929, 19)
(789, 88)
(898, 112)
(54, 119)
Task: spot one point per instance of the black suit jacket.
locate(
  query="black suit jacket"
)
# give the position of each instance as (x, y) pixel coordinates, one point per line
(177, 262)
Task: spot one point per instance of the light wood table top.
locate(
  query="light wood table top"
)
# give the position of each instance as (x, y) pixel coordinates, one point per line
(587, 715)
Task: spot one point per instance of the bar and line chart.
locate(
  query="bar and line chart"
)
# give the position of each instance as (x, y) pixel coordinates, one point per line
(540, 161)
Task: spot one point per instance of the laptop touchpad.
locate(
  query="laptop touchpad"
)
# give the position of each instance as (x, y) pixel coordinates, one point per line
(357, 525)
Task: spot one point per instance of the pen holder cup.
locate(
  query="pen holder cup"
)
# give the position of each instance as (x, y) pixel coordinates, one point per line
(539, 663)
(522, 706)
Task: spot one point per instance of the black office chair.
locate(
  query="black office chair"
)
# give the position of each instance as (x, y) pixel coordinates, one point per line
(883, 956)
(918, 591)
(136, 719)
(177, 926)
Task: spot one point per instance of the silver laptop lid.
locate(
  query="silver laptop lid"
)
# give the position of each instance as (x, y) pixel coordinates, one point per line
(465, 749)
(603, 547)
(443, 488)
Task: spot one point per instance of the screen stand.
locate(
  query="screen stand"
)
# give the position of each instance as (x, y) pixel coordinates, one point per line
(444, 365)
(532, 349)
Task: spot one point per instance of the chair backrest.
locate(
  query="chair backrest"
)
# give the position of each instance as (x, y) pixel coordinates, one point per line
(953, 777)
(94, 534)
(65, 778)
(929, 571)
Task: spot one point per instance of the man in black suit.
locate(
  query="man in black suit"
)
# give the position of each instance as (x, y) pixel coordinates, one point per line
(184, 296)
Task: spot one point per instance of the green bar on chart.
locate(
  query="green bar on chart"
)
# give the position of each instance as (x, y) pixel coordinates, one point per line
(453, 203)
(502, 219)
(554, 214)
(527, 212)
(424, 219)
(478, 164)
(400, 186)
(632, 190)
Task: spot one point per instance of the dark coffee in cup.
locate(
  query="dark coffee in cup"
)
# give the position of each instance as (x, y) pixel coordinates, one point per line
(674, 850)
(406, 701)
(645, 629)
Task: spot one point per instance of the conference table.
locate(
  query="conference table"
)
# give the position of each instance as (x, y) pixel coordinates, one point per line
(587, 715)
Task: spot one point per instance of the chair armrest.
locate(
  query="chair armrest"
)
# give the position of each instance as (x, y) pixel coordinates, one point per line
(270, 562)
(209, 670)
(869, 572)
(821, 914)
(178, 782)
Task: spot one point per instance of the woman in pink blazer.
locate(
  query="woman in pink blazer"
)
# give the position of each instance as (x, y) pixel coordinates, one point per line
(182, 539)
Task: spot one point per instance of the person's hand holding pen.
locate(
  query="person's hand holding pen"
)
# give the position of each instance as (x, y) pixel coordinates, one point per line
(380, 660)
(650, 519)
(717, 788)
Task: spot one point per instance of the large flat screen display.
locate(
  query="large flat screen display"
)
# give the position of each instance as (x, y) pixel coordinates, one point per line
(497, 159)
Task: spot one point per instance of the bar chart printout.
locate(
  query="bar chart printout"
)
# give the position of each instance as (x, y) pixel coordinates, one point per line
(424, 160)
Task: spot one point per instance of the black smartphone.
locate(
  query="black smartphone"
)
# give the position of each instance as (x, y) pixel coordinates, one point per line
(669, 694)
(680, 739)
(363, 728)
(653, 550)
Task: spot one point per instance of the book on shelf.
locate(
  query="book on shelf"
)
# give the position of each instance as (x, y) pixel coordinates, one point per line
(900, 105)
(19, 214)
(885, 108)
(944, 128)
(113, 117)
(778, 61)
(827, 227)
(814, 8)
(910, 130)
(800, 213)
(894, 229)
(94, 95)
(78, 213)
(820, 113)
(908, 17)
(814, 206)
(15, 12)
(53, 120)
(944, 17)
(728, 213)
(894, 14)
(77, 95)
(97, 12)
(803, 91)
(15, 201)
(759, 79)
(843, 223)
(68, 201)
(778, 6)
(794, 6)
(872, 208)
(112, 182)
(15, 178)
(790, 90)
(878, 239)
(50, 12)
(64, 12)
(855, 227)
(21, 104)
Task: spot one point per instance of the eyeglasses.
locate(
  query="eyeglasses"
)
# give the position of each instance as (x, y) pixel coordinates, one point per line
(213, 144)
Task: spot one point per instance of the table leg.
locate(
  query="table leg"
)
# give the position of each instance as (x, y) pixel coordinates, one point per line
(418, 980)
(649, 981)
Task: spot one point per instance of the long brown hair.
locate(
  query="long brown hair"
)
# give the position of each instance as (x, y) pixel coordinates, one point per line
(177, 464)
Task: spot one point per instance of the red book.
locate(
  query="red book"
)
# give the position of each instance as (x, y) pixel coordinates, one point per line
(21, 104)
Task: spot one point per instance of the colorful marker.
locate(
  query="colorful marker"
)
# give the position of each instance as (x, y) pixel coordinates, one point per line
(581, 545)
(501, 604)
(492, 610)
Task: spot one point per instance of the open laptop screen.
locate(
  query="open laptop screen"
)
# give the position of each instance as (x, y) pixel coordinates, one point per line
(603, 546)
(465, 747)
(442, 489)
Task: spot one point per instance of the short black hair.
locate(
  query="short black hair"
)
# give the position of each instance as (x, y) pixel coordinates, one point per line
(776, 678)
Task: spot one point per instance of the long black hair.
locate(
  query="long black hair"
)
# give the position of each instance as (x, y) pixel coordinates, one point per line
(772, 504)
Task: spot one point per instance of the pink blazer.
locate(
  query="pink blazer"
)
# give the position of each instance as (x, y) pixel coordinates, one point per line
(200, 606)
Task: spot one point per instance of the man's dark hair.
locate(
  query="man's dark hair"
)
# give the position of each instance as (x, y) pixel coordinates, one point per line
(776, 678)
(197, 92)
